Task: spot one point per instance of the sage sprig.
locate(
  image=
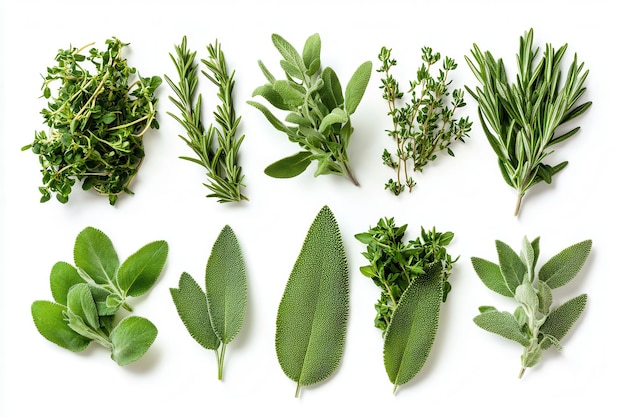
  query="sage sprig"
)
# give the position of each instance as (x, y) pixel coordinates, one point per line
(88, 296)
(534, 324)
(423, 125)
(318, 109)
(96, 122)
(524, 119)
(313, 312)
(214, 317)
(216, 148)
(413, 278)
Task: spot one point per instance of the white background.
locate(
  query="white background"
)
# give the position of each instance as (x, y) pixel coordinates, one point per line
(469, 371)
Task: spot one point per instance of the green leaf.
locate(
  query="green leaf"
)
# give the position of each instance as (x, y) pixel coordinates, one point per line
(81, 302)
(331, 89)
(313, 312)
(288, 51)
(131, 339)
(502, 323)
(291, 96)
(544, 295)
(226, 286)
(278, 125)
(191, 304)
(491, 276)
(357, 85)
(413, 327)
(312, 50)
(562, 318)
(336, 116)
(51, 324)
(511, 266)
(139, 271)
(290, 166)
(95, 255)
(62, 277)
(268, 92)
(564, 266)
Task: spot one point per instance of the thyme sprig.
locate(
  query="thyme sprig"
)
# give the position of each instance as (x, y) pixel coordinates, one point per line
(522, 120)
(216, 148)
(424, 124)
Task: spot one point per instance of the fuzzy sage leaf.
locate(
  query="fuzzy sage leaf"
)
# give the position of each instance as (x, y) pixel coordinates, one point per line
(313, 312)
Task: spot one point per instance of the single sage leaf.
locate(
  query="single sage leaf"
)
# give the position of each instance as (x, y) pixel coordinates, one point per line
(191, 304)
(81, 302)
(357, 85)
(336, 116)
(290, 166)
(544, 294)
(268, 92)
(313, 312)
(51, 324)
(131, 338)
(62, 277)
(274, 121)
(562, 318)
(291, 96)
(525, 295)
(226, 286)
(332, 87)
(288, 52)
(511, 266)
(95, 255)
(502, 323)
(565, 265)
(491, 276)
(312, 50)
(139, 271)
(411, 332)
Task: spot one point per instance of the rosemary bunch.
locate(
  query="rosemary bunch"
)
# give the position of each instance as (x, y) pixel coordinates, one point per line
(216, 148)
(522, 120)
(424, 125)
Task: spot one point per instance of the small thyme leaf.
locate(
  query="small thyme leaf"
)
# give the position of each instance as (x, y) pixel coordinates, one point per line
(216, 146)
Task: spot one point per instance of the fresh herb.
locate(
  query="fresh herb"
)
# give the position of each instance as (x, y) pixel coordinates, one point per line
(413, 277)
(213, 318)
(217, 149)
(534, 324)
(96, 122)
(88, 296)
(424, 124)
(313, 312)
(319, 111)
(522, 120)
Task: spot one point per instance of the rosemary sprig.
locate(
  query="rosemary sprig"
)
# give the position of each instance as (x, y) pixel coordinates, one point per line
(521, 119)
(216, 148)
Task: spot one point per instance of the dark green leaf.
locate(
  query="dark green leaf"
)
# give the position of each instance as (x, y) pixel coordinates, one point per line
(564, 266)
(290, 166)
(562, 318)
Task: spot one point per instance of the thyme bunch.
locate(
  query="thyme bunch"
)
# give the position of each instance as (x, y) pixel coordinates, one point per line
(424, 124)
(96, 122)
(524, 119)
(216, 147)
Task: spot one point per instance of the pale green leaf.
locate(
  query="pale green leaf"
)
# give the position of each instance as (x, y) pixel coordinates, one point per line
(62, 277)
(544, 294)
(51, 324)
(502, 323)
(491, 276)
(131, 339)
(139, 271)
(312, 50)
(336, 116)
(291, 96)
(81, 302)
(413, 327)
(562, 318)
(191, 304)
(289, 53)
(274, 121)
(95, 255)
(511, 266)
(313, 312)
(268, 92)
(564, 266)
(290, 166)
(226, 286)
(525, 295)
(355, 89)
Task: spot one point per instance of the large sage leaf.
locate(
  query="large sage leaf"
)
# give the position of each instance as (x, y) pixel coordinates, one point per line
(502, 323)
(139, 271)
(94, 254)
(411, 332)
(357, 85)
(62, 277)
(561, 320)
(511, 266)
(51, 324)
(290, 166)
(561, 268)
(490, 275)
(313, 312)
(131, 338)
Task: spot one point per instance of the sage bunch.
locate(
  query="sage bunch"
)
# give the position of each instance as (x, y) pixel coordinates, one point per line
(88, 296)
(534, 324)
(216, 147)
(214, 316)
(318, 109)
(313, 312)
(423, 124)
(413, 278)
(96, 122)
(524, 119)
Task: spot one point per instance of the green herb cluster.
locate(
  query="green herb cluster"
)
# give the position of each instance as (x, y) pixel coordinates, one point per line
(318, 109)
(424, 124)
(413, 277)
(96, 122)
(215, 316)
(313, 313)
(88, 296)
(534, 324)
(523, 120)
(217, 149)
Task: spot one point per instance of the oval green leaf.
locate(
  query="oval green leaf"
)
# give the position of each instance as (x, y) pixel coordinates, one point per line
(51, 324)
(94, 254)
(511, 266)
(139, 271)
(62, 277)
(290, 166)
(81, 302)
(355, 89)
(561, 319)
(131, 339)
(336, 116)
(490, 275)
(565, 265)
(313, 312)
(502, 323)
